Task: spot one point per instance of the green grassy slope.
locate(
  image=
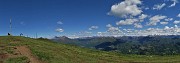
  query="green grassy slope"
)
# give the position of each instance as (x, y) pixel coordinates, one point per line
(51, 52)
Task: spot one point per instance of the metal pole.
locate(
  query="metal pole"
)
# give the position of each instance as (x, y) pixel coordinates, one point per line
(10, 26)
(36, 36)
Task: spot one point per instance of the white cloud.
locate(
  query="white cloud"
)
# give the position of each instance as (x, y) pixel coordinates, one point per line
(59, 30)
(142, 17)
(168, 19)
(128, 30)
(126, 8)
(157, 31)
(109, 25)
(178, 15)
(166, 27)
(127, 22)
(150, 31)
(138, 25)
(172, 30)
(176, 22)
(159, 6)
(132, 32)
(175, 26)
(174, 3)
(93, 27)
(155, 19)
(84, 34)
(113, 29)
(163, 23)
(100, 34)
(147, 8)
(59, 22)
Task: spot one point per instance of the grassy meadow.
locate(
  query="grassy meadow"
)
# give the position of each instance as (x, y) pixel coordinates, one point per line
(51, 52)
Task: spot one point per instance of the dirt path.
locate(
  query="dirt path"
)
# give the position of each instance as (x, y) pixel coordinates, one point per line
(26, 52)
(2, 57)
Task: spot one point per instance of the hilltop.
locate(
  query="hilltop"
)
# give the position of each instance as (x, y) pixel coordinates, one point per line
(24, 50)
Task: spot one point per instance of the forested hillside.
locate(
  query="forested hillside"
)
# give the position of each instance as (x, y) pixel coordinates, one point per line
(142, 45)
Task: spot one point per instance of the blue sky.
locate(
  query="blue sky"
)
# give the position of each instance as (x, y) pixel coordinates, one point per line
(76, 18)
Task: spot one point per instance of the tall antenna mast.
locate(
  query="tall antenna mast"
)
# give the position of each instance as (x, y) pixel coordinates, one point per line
(10, 26)
(36, 36)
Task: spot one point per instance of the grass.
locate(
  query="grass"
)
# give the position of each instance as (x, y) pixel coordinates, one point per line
(9, 50)
(52, 52)
(17, 60)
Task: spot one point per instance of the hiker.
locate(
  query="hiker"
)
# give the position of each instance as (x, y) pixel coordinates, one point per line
(9, 34)
(21, 34)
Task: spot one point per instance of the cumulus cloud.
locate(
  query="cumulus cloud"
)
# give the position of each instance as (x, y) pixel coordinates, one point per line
(159, 6)
(113, 29)
(59, 22)
(155, 19)
(174, 3)
(178, 15)
(163, 23)
(83, 34)
(128, 30)
(93, 27)
(126, 8)
(109, 25)
(166, 28)
(149, 31)
(168, 19)
(59, 30)
(176, 22)
(175, 26)
(142, 17)
(133, 21)
(127, 22)
(172, 30)
(102, 33)
(138, 25)
(157, 31)
(147, 8)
